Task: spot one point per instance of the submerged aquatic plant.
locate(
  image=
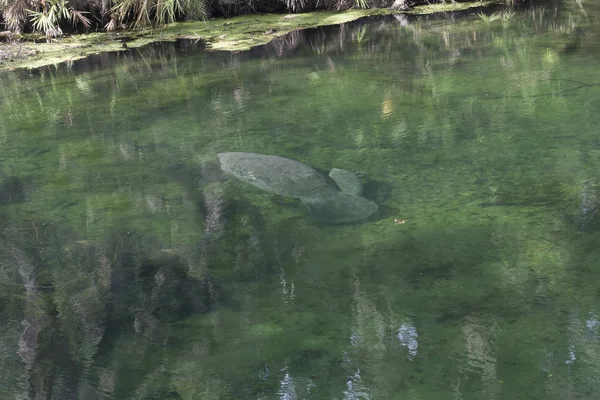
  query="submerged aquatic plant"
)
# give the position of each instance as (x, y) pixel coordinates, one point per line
(497, 16)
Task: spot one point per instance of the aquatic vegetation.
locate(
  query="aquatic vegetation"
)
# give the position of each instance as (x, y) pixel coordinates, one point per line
(497, 16)
(133, 267)
(47, 16)
(232, 34)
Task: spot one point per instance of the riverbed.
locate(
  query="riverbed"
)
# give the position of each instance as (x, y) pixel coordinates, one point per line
(133, 267)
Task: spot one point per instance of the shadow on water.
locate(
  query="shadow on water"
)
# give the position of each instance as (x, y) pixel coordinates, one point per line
(12, 190)
(81, 298)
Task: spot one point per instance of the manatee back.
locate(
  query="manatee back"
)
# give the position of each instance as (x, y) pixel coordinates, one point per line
(275, 174)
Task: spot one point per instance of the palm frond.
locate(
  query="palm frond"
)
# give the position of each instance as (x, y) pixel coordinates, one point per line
(46, 17)
(146, 13)
(361, 4)
(45, 22)
(166, 11)
(111, 25)
(295, 5)
(15, 13)
(78, 17)
(138, 9)
(195, 9)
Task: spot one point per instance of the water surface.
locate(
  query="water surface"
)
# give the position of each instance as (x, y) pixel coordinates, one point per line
(133, 268)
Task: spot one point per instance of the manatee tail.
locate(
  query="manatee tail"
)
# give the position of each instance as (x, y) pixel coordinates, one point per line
(340, 208)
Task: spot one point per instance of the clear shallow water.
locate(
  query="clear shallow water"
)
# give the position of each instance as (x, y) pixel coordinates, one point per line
(133, 269)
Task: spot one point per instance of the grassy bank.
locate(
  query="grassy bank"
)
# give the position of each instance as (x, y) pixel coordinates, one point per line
(231, 34)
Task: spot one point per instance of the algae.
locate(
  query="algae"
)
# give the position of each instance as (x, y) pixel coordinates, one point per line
(232, 34)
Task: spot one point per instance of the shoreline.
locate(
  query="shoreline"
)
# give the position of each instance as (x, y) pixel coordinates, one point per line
(221, 34)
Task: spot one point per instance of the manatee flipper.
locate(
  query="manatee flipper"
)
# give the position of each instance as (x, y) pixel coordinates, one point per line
(340, 208)
(347, 181)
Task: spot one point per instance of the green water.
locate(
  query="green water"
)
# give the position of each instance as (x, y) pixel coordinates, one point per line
(133, 268)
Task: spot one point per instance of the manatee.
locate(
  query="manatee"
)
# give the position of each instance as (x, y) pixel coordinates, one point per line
(347, 181)
(275, 174)
(341, 208)
(325, 200)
